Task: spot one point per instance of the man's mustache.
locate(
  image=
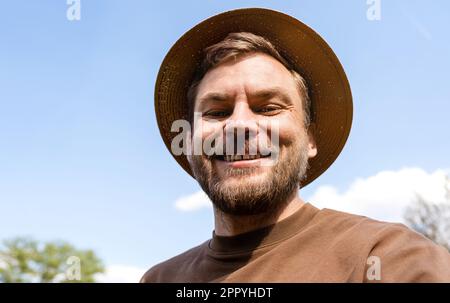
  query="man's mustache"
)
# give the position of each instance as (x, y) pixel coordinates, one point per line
(232, 144)
(245, 139)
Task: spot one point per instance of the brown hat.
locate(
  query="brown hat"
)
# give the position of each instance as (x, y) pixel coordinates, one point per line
(311, 56)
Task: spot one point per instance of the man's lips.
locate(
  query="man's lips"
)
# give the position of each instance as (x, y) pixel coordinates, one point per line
(235, 158)
(240, 161)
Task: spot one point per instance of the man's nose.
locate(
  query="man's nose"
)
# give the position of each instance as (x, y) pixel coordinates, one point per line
(242, 119)
(241, 130)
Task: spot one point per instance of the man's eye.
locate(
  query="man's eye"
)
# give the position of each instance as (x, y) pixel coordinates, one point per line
(268, 109)
(217, 113)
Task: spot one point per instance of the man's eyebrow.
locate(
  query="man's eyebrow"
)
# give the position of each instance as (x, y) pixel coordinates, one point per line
(266, 93)
(269, 93)
(214, 96)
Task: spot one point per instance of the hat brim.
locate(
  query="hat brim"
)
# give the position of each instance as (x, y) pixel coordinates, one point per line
(311, 56)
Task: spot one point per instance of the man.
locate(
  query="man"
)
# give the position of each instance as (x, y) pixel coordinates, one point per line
(236, 72)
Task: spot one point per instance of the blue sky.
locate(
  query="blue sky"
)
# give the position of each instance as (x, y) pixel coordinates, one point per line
(81, 156)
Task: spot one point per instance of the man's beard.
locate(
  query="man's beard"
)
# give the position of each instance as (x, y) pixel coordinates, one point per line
(268, 194)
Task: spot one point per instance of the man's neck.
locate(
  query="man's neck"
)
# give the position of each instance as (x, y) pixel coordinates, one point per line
(231, 225)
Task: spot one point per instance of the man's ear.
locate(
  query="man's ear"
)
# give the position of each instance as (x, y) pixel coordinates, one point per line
(312, 146)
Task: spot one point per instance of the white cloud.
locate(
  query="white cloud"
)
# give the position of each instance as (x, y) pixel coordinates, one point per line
(121, 274)
(385, 195)
(193, 202)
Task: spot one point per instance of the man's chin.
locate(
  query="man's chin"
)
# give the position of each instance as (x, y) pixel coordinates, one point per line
(243, 178)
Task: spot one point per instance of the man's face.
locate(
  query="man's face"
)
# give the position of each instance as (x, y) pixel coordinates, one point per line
(245, 93)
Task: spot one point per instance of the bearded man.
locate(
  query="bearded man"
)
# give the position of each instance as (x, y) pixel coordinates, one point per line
(234, 73)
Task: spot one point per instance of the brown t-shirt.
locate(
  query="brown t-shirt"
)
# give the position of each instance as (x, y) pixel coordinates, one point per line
(312, 245)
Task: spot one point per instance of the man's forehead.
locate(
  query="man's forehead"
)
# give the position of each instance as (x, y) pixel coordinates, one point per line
(251, 61)
(257, 72)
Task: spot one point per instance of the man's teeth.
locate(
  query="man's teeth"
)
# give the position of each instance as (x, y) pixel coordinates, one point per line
(230, 158)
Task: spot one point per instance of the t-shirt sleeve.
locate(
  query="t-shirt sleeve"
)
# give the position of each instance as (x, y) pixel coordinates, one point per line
(400, 254)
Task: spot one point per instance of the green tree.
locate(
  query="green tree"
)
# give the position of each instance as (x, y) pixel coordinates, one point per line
(431, 219)
(26, 260)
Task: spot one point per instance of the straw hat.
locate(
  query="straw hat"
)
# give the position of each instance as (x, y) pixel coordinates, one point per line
(311, 56)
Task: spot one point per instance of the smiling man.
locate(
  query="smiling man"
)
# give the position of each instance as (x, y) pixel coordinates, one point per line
(252, 87)
(245, 72)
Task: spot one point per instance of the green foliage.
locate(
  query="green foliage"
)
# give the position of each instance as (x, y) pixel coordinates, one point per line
(26, 260)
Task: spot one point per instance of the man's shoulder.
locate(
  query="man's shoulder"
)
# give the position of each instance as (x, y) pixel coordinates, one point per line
(367, 229)
(174, 266)
(350, 220)
(404, 254)
(393, 240)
